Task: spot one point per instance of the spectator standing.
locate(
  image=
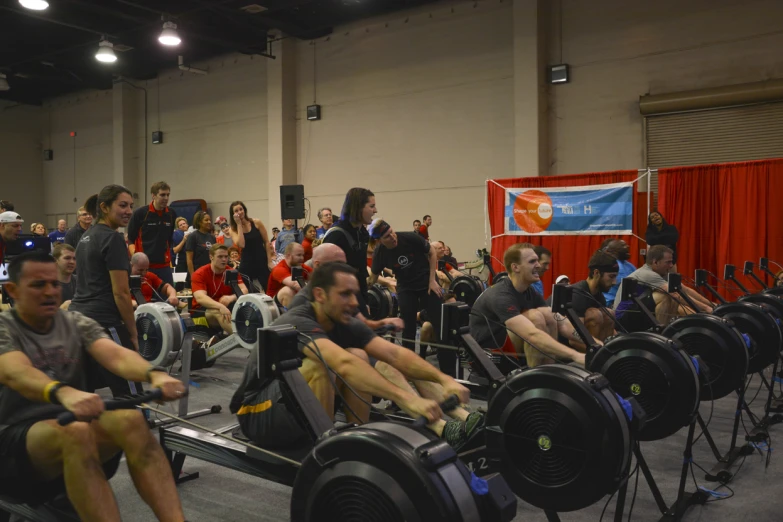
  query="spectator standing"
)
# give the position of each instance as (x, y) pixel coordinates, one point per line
(10, 227)
(65, 256)
(350, 234)
(659, 232)
(58, 236)
(424, 229)
(84, 222)
(326, 219)
(288, 234)
(103, 287)
(6, 206)
(38, 229)
(151, 231)
(416, 225)
(223, 236)
(178, 240)
(199, 242)
(250, 235)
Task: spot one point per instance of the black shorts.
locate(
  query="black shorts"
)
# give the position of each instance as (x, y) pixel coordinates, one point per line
(18, 478)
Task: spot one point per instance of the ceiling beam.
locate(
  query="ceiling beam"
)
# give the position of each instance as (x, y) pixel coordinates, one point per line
(30, 14)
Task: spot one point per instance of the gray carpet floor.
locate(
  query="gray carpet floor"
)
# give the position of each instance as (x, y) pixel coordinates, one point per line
(225, 495)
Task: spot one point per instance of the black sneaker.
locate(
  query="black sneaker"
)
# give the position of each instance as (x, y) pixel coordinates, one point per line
(454, 434)
(474, 423)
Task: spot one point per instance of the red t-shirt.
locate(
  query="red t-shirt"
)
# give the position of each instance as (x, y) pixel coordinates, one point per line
(150, 284)
(213, 284)
(279, 273)
(369, 262)
(307, 245)
(424, 231)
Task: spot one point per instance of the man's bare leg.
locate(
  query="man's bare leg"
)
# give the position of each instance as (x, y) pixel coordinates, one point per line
(359, 404)
(216, 320)
(285, 295)
(533, 356)
(72, 452)
(147, 464)
(665, 308)
(319, 381)
(594, 321)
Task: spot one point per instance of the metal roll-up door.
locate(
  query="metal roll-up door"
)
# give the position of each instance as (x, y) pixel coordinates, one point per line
(741, 133)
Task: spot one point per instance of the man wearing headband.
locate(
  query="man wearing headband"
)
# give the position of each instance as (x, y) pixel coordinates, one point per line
(414, 264)
(588, 295)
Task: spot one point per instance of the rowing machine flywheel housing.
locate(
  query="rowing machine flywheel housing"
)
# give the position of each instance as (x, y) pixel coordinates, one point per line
(759, 325)
(382, 302)
(560, 435)
(467, 288)
(655, 371)
(251, 312)
(721, 350)
(160, 333)
(389, 472)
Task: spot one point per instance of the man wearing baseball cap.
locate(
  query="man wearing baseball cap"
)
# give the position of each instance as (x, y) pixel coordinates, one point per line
(10, 227)
(224, 238)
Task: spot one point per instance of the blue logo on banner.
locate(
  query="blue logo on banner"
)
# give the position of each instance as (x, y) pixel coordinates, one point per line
(597, 209)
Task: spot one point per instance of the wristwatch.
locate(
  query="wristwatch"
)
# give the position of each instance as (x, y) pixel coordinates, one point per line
(154, 369)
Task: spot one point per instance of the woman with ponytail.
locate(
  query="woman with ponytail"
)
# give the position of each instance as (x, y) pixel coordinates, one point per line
(103, 286)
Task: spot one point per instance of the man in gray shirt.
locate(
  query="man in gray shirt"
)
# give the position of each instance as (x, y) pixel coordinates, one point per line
(44, 372)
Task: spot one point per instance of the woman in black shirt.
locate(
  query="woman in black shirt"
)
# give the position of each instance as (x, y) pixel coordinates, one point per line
(250, 235)
(65, 255)
(351, 235)
(199, 242)
(659, 232)
(103, 287)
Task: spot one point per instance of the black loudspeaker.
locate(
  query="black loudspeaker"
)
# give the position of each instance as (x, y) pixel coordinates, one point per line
(292, 202)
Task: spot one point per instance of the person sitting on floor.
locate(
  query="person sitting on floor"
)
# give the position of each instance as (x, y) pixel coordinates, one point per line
(43, 372)
(152, 286)
(212, 294)
(281, 285)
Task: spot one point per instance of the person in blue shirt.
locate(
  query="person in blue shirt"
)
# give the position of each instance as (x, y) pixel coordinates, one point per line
(58, 236)
(326, 219)
(620, 250)
(544, 259)
(288, 234)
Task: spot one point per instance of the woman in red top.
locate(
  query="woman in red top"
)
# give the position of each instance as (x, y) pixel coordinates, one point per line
(307, 243)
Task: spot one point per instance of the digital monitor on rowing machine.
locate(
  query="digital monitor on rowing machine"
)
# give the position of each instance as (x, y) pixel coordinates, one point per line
(276, 344)
(748, 268)
(728, 272)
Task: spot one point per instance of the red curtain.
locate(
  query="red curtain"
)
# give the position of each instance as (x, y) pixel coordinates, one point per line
(727, 213)
(570, 254)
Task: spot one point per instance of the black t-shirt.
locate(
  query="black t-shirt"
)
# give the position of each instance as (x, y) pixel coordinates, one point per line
(301, 298)
(199, 243)
(100, 250)
(74, 235)
(355, 334)
(500, 303)
(409, 261)
(69, 289)
(580, 300)
(355, 253)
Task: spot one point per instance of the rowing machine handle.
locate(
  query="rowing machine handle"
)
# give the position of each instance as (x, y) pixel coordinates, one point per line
(448, 405)
(68, 417)
(384, 329)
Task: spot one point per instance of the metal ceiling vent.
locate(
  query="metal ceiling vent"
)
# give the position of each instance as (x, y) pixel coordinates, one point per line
(253, 9)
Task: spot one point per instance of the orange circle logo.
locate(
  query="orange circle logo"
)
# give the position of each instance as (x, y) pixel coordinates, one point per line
(533, 211)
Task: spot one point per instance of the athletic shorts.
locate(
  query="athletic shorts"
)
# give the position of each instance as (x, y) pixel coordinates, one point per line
(18, 478)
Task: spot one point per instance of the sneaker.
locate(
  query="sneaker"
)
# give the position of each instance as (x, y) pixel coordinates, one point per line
(474, 423)
(454, 434)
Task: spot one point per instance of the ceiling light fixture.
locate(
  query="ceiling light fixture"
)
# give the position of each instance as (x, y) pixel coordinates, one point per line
(35, 5)
(105, 52)
(4, 83)
(169, 34)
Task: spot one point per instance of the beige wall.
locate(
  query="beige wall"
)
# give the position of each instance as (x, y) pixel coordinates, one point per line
(20, 160)
(620, 50)
(418, 112)
(420, 106)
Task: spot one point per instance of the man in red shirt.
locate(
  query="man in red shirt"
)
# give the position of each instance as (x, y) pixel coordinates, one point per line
(152, 286)
(424, 229)
(281, 285)
(210, 291)
(150, 230)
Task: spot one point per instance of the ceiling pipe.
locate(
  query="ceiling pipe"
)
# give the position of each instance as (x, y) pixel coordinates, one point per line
(182, 67)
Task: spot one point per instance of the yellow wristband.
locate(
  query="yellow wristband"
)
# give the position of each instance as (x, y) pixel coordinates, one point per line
(48, 390)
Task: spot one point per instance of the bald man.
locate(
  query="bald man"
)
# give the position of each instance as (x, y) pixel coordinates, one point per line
(281, 284)
(152, 286)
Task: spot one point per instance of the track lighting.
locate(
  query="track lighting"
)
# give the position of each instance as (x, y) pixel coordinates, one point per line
(169, 34)
(106, 52)
(4, 83)
(35, 5)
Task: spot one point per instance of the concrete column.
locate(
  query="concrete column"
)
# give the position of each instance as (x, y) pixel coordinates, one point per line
(281, 124)
(530, 88)
(125, 101)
